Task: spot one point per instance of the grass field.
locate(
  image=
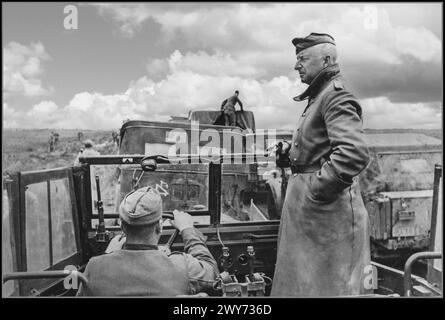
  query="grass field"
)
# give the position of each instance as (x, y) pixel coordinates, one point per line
(27, 150)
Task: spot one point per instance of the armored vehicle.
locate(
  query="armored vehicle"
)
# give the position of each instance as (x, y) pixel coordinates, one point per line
(397, 188)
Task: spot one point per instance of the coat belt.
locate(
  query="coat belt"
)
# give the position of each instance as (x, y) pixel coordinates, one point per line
(295, 168)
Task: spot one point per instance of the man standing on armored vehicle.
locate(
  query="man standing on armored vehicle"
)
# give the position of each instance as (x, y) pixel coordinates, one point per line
(323, 245)
(228, 108)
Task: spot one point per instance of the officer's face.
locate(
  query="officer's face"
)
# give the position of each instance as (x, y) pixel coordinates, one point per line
(309, 64)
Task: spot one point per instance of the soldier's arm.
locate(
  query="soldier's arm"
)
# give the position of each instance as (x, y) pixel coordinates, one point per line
(342, 115)
(201, 266)
(240, 104)
(223, 104)
(197, 260)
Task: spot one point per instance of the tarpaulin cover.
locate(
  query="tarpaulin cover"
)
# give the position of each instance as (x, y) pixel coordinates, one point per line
(244, 120)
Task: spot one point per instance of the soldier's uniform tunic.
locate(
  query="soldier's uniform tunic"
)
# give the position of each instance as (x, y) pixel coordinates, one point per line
(323, 245)
(146, 271)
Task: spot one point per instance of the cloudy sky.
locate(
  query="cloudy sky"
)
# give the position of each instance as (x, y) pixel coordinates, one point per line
(150, 61)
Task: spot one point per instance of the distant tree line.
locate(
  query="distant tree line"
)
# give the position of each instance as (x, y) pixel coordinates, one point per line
(435, 133)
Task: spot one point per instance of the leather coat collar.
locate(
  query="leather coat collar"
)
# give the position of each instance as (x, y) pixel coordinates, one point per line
(318, 82)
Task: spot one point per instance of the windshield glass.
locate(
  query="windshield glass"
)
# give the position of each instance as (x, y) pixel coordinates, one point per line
(182, 187)
(247, 193)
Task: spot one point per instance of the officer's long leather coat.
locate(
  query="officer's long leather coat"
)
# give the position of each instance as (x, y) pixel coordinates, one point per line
(323, 245)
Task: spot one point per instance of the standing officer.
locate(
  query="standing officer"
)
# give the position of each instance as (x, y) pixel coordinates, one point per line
(140, 268)
(323, 245)
(228, 108)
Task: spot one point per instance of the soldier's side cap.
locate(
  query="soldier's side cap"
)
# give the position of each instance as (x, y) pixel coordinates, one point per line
(141, 207)
(312, 40)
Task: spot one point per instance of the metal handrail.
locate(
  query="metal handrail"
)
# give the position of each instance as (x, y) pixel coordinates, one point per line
(408, 266)
(44, 274)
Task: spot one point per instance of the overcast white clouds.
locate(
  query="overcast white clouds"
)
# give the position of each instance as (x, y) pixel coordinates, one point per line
(394, 69)
(22, 69)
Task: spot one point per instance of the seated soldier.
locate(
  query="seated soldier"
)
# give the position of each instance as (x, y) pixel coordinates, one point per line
(140, 268)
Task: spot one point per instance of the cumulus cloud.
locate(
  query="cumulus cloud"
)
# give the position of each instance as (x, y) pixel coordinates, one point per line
(270, 100)
(254, 42)
(381, 113)
(184, 88)
(9, 117)
(22, 70)
(395, 69)
(45, 108)
(203, 63)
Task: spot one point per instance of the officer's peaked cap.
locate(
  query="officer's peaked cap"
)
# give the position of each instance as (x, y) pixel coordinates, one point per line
(312, 40)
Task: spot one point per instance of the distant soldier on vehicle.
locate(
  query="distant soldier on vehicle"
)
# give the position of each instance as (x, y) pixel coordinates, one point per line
(228, 108)
(88, 151)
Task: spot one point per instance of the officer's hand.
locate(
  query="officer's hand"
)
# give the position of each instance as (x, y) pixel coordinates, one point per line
(285, 147)
(116, 243)
(182, 220)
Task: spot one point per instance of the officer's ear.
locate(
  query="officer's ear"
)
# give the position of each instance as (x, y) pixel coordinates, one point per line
(327, 61)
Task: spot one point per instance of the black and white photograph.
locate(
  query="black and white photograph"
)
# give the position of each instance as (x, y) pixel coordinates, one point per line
(216, 150)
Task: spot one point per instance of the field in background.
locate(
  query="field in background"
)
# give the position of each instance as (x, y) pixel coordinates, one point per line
(28, 149)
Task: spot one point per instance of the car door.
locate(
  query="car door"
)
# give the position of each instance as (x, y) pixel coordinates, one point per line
(42, 223)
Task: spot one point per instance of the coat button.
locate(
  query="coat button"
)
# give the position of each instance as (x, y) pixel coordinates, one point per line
(304, 113)
(298, 129)
(296, 144)
(295, 159)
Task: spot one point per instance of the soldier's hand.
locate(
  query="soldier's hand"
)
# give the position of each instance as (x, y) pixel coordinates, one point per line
(164, 249)
(182, 220)
(116, 243)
